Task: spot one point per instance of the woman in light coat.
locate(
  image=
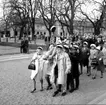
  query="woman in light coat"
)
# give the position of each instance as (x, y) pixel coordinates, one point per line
(100, 57)
(104, 53)
(93, 54)
(37, 58)
(49, 64)
(64, 66)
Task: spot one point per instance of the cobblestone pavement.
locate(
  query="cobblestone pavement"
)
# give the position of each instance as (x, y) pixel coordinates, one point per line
(15, 87)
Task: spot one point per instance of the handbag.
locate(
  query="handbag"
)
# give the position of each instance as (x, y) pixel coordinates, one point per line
(94, 61)
(32, 65)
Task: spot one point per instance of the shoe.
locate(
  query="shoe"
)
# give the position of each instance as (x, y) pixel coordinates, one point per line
(49, 87)
(55, 93)
(41, 89)
(33, 90)
(76, 88)
(88, 74)
(94, 77)
(81, 73)
(63, 93)
(101, 77)
(72, 90)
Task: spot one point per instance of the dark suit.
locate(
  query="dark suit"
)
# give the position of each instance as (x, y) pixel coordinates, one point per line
(22, 46)
(26, 46)
(74, 69)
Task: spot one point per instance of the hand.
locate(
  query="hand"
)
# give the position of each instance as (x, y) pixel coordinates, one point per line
(50, 57)
(68, 71)
(100, 59)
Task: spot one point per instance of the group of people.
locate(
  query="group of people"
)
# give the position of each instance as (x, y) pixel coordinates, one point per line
(62, 64)
(24, 47)
(60, 68)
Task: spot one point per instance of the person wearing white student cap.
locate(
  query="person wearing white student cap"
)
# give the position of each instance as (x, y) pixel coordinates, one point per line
(53, 34)
(84, 53)
(74, 68)
(100, 56)
(93, 53)
(64, 65)
(38, 61)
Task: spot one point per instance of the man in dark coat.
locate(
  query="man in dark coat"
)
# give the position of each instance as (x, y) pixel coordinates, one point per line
(84, 53)
(22, 46)
(26, 45)
(75, 68)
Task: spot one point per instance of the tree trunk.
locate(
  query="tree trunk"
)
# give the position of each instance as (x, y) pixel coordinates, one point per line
(33, 31)
(14, 35)
(97, 30)
(21, 32)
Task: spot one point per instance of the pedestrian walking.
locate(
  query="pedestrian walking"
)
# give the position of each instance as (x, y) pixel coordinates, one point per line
(38, 61)
(64, 65)
(97, 63)
(100, 66)
(70, 80)
(99, 41)
(92, 58)
(104, 53)
(22, 46)
(84, 53)
(50, 64)
(75, 68)
(26, 45)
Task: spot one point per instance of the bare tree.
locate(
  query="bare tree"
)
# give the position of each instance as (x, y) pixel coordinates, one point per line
(47, 10)
(97, 21)
(66, 13)
(26, 11)
(32, 6)
(5, 15)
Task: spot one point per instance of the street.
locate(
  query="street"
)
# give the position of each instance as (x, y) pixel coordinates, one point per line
(15, 87)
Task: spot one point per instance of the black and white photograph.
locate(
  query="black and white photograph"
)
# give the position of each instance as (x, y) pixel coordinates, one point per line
(53, 52)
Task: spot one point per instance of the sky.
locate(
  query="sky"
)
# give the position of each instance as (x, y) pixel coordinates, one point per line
(88, 8)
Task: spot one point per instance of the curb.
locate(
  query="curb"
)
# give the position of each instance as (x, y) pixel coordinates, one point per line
(98, 99)
(16, 53)
(9, 59)
(31, 46)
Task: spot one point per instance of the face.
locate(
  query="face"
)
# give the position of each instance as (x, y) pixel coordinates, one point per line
(92, 47)
(59, 50)
(73, 50)
(39, 51)
(99, 39)
(84, 45)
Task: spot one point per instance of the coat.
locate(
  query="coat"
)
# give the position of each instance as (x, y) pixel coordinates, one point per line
(92, 54)
(64, 66)
(49, 63)
(100, 61)
(84, 55)
(39, 63)
(104, 57)
(75, 62)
